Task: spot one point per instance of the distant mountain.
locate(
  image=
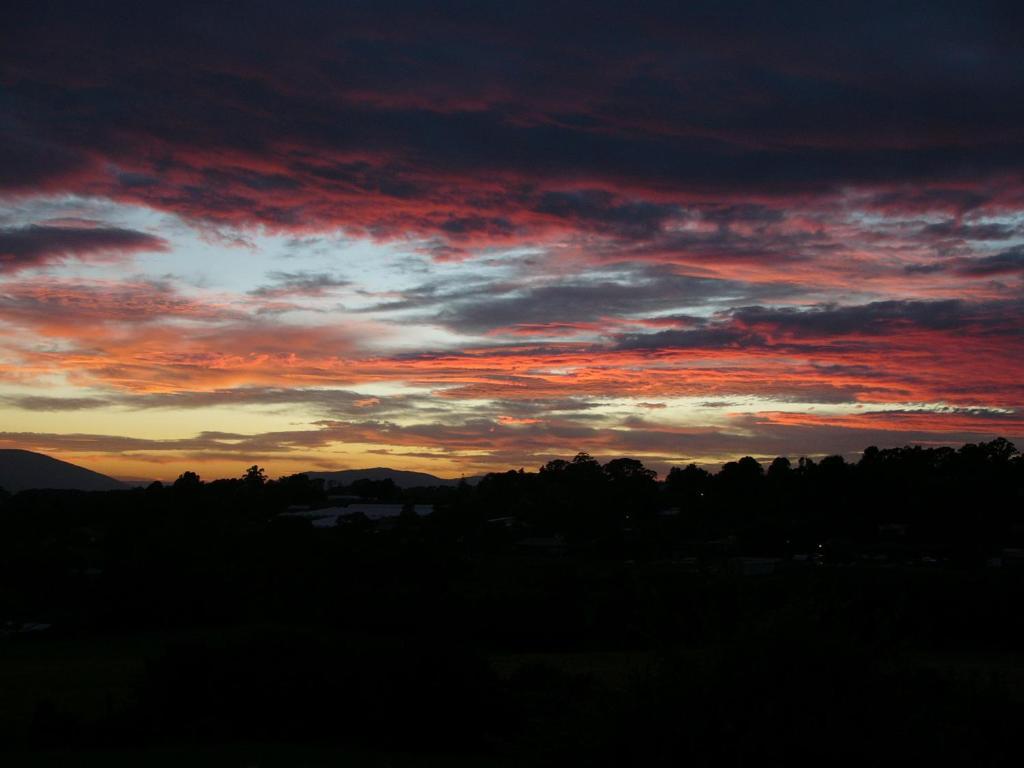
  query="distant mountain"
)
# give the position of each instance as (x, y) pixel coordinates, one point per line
(140, 482)
(402, 478)
(22, 470)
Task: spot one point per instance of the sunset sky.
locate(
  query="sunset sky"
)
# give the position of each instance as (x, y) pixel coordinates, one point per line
(456, 237)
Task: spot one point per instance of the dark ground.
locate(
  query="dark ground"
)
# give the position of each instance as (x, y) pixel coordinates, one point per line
(728, 620)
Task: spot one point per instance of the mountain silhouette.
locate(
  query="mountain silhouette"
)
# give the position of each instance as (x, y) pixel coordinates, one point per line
(401, 478)
(24, 470)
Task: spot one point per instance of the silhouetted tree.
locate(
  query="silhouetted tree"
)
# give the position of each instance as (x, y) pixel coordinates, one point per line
(632, 488)
(576, 493)
(688, 485)
(780, 468)
(375, 490)
(299, 489)
(254, 476)
(188, 480)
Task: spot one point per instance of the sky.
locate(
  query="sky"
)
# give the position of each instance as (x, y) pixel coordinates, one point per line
(468, 236)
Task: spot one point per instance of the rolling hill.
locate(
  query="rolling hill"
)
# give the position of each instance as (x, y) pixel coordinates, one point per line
(402, 478)
(23, 470)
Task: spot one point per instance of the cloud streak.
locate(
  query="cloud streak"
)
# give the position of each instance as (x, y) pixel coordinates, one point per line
(40, 245)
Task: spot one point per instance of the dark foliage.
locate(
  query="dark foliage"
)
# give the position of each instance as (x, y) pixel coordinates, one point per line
(808, 611)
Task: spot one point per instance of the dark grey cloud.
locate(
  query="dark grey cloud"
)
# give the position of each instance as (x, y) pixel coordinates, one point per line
(878, 317)
(600, 211)
(915, 199)
(588, 298)
(28, 164)
(1009, 262)
(757, 326)
(926, 269)
(43, 403)
(285, 284)
(579, 301)
(699, 338)
(324, 402)
(968, 231)
(725, 244)
(1005, 263)
(437, 293)
(484, 119)
(39, 244)
(81, 303)
(746, 213)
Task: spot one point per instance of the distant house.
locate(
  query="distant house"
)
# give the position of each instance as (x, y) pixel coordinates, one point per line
(327, 517)
(381, 511)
